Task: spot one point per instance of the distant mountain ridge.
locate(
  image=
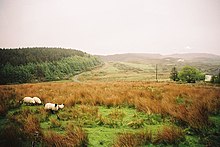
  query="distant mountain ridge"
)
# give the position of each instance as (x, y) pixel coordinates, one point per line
(147, 56)
(194, 55)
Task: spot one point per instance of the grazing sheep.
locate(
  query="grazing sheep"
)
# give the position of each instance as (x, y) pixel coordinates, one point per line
(61, 106)
(52, 107)
(28, 100)
(37, 100)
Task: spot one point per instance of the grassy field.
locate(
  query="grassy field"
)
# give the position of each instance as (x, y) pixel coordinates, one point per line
(118, 104)
(113, 113)
(126, 71)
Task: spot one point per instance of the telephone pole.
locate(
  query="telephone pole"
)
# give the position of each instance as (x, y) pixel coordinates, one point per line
(156, 73)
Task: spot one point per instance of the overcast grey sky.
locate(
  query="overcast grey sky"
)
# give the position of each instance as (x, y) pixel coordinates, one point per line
(112, 26)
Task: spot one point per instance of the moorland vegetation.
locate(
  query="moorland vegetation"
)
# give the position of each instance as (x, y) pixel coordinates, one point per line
(117, 104)
(112, 114)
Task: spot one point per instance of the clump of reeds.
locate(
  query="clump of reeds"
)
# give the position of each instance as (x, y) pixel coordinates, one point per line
(133, 139)
(74, 136)
(135, 124)
(148, 105)
(77, 136)
(9, 99)
(116, 114)
(54, 123)
(169, 135)
(11, 135)
(197, 116)
(31, 125)
(52, 138)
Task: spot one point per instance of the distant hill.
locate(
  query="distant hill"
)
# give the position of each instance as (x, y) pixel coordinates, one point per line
(132, 57)
(190, 56)
(207, 63)
(150, 57)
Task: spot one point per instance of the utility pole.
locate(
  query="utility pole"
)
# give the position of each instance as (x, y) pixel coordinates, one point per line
(156, 73)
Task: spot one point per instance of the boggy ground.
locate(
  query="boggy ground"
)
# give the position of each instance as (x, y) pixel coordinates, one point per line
(111, 114)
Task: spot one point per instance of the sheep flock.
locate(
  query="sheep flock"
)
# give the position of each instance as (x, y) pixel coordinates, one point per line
(48, 106)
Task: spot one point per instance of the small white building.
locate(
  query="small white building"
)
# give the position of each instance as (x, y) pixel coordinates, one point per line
(208, 78)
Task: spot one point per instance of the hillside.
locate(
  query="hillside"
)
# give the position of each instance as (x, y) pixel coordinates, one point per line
(24, 56)
(43, 64)
(191, 56)
(145, 57)
(208, 63)
(131, 57)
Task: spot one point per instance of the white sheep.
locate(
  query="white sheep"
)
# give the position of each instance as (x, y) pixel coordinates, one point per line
(28, 100)
(37, 100)
(51, 106)
(61, 106)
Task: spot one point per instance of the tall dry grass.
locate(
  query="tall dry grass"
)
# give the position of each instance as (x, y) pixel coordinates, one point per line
(197, 101)
(169, 135)
(133, 139)
(11, 136)
(8, 99)
(74, 137)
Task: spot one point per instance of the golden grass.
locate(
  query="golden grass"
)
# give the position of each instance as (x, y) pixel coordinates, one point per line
(133, 139)
(169, 135)
(74, 137)
(197, 101)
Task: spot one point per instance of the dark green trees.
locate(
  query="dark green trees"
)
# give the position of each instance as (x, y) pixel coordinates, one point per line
(49, 65)
(174, 74)
(187, 74)
(190, 74)
(216, 79)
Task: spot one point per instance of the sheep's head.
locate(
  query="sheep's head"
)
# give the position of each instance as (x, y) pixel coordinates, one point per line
(61, 106)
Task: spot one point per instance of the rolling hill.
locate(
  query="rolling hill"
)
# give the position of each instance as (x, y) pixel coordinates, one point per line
(208, 63)
(145, 57)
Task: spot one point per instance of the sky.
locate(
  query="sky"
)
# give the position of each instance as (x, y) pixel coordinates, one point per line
(112, 26)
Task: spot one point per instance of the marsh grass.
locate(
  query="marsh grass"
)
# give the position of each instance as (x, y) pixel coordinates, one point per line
(9, 99)
(169, 135)
(11, 135)
(74, 136)
(107, 105)
(133, 139)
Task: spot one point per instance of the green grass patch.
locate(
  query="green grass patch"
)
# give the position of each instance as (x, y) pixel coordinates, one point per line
(105, 124)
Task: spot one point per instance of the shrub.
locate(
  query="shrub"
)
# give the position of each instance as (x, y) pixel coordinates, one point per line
(190, 74)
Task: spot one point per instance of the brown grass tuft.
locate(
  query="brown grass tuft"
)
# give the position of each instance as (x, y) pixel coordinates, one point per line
(133, 139)
(11, 135)
(169, 135)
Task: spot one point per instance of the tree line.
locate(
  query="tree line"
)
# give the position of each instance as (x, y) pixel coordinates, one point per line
(22, 56)
(56, 64)
(191, 74)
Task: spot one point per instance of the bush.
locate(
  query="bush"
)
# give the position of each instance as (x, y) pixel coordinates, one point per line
(190, 74)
